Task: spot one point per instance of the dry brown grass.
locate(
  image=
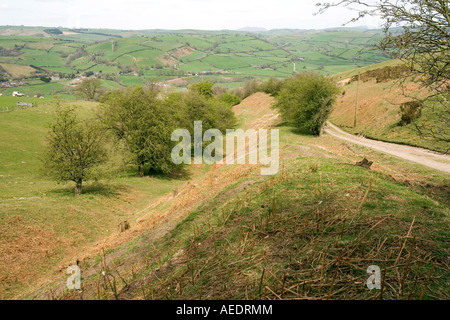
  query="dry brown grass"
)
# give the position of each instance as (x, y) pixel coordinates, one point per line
(379, 104)
(379, 113)
(22, 248)
(181, 52)
(308, 255)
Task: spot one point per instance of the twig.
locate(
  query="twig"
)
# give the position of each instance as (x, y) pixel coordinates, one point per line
(406, 239)
(365, 197)
(428, 281)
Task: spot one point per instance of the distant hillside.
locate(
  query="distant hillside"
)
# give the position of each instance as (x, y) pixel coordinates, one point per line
(124, 58)
(379, 101)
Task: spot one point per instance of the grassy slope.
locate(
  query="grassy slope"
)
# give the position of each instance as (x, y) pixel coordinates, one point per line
(309, 232)
(291, 226)
(42, 222)
(379, 110)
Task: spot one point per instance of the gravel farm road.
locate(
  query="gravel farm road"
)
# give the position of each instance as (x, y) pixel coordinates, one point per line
(425, 157)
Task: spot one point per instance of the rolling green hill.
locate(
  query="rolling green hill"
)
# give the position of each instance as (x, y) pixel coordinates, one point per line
(226, 57)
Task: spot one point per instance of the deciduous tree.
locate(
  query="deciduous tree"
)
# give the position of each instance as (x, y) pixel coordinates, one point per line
(90, 89)
(138, 117)
(75, 149)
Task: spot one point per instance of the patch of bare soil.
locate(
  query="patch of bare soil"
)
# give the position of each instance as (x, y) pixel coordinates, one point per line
(167, 60)
(181, 52)
(178, 82)
(344, 82)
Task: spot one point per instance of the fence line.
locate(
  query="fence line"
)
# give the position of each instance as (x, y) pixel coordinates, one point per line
(20, 105)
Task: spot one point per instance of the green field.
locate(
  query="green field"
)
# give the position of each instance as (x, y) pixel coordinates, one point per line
(8, 103)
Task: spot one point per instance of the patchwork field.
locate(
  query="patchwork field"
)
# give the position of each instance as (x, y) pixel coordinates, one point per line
(164, 55)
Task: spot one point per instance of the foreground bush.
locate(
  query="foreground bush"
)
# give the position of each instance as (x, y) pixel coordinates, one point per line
(305, 101)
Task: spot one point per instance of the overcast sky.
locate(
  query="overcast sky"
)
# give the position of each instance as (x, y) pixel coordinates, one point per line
(173, 14)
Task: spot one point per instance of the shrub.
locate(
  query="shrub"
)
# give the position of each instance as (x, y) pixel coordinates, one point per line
(230, 99)
(203, 88)
(213, 113)
(139, 119)
(305, 101)
(45, 79)
(271, 86)
(410, 111)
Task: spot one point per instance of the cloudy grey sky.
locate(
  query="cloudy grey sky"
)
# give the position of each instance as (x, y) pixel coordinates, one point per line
(173, 14)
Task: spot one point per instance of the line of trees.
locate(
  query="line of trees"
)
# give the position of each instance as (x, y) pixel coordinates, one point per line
(136, 121)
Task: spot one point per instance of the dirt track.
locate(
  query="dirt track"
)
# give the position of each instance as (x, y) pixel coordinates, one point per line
(422, 156)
